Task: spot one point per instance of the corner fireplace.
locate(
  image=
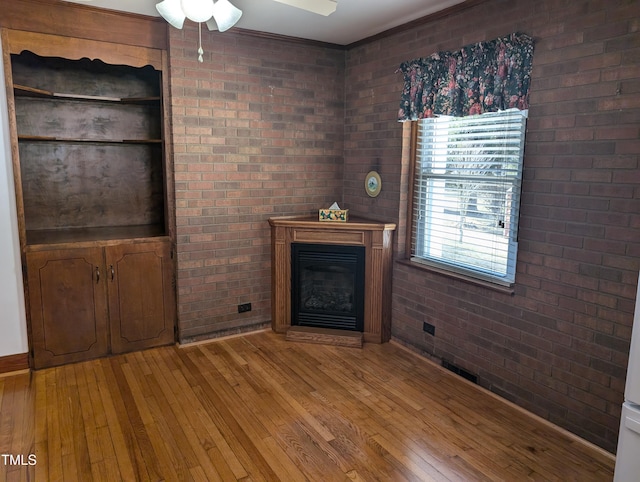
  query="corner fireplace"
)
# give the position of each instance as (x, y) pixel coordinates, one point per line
(374, 237)
(327, 286)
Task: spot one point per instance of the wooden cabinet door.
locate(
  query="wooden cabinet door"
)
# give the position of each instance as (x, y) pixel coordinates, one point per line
(68, 309)
(141, 295)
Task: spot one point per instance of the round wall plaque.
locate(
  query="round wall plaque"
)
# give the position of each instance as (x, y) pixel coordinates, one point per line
(372, 183)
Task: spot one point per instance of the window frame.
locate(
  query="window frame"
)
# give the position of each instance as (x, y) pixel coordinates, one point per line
(451, 269)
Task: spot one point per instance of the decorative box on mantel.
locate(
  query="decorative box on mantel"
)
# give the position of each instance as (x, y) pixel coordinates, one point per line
(375, 237)
(335, 215)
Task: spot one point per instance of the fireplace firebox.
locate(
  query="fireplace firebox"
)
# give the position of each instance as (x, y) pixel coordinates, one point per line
(327, 286)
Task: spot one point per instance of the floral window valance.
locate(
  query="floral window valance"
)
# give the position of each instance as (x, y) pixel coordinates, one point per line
(481, 77)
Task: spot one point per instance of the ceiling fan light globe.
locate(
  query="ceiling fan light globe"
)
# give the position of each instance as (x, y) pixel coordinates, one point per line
(197, 10)
(225, 14)
(171, 11)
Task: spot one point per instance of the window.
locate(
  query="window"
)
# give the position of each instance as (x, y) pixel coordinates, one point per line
(466, 193)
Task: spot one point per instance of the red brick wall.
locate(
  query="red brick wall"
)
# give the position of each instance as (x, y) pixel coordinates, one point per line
(258, 132)
(261, 129)
(559, 346)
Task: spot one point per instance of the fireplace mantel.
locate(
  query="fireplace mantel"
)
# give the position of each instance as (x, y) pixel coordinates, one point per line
(375, 236)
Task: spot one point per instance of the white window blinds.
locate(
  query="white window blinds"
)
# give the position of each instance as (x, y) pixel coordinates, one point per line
(466, 196)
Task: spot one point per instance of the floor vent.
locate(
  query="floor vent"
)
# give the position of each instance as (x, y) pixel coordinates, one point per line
(460, 371)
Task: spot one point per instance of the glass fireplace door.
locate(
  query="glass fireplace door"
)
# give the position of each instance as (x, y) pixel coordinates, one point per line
(327, 286)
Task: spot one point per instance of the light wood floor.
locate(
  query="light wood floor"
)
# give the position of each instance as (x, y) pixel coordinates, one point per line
(258, 407)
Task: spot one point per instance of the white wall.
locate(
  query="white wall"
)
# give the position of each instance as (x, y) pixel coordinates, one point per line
(13, 325)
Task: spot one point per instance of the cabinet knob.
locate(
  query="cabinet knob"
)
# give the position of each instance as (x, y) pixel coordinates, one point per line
(97, 274)
(113, 273)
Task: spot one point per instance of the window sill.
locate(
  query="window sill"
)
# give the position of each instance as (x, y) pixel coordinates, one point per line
(508, 290)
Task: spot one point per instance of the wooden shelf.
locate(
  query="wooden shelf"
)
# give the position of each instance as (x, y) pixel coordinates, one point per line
(140, 100)
(97, 141)
(44, 238)
(26, 91)
(93, 205)
(312, 222)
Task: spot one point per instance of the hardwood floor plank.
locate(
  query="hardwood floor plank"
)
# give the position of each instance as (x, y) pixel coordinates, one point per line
(236, 459)
(242, 444)
(111, 466)
(166, 466)
(180, 428)
(172, 456)
(294, 403)
(321, 414)
(224, 443)
(352, 442)
(53, 426)
(378, 425)
(81, 438)
(410, 427)
(129, 414)
(282, 465)
(24, 442)
(198, 475)
(40, 470)
(116, 431)
(94, 413)
(137, 396)
(259, 408)
(304, 454)
(128, 431)
(66, 425)
(280, 445)
(99, 414)
(6, 412)
(88, 415)
(254, 427)
(251, 387)
(407, 458)
(17, 398)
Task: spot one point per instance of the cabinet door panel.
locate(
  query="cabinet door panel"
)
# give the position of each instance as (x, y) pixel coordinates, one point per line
(68, 306)
(141, 298)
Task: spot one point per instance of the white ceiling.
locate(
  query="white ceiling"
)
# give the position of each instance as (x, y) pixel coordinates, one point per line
(353, 20)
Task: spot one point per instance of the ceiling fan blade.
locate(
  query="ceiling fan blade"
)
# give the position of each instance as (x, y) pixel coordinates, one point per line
(211, 24)
(321, 7)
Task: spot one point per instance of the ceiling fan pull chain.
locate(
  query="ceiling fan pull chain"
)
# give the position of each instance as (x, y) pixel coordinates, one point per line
(219, 15)
(200, 51)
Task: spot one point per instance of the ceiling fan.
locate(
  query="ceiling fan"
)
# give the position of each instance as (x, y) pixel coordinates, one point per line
(222, 15)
